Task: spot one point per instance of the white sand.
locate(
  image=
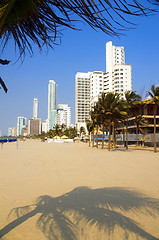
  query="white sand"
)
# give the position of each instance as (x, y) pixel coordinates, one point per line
(111, 206)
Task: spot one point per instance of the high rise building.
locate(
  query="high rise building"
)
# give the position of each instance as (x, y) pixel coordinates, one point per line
(44, 126)
(63, 115)
(34, 126)
(82, 99)
(52, 101)
(96, 86)
(14, 131)
(21, 122)
(118, 74)
(35, 108)
(9, 131)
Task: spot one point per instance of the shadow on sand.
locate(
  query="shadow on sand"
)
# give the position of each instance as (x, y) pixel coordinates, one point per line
(105, 208)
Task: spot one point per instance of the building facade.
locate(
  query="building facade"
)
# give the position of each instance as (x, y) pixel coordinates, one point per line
(9, 131)
(82, 99)
(21, 122)
(96, 86)
(44, 126)
(118, 74)
(63, 115)
(52, 101)
(35, 108)
(34, 126)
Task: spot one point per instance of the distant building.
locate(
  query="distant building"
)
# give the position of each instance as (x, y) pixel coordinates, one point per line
(82, 99)
(21, 122)
(34, 126)
(14, 131)
(44, 126)
(35, 108)
(25, 131)
(63, 115)
(9, 131)
(118, 74)
(52, 101)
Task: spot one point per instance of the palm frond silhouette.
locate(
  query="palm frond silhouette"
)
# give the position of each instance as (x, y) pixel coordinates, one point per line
(106, 208)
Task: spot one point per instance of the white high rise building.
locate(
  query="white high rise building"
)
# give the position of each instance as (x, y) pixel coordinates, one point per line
(21, 122)
(35, 108)
(9, 131)
(82, 99)
(63, 115)
(118, 74)
(52, 101)
(96, 86)
(44, 126)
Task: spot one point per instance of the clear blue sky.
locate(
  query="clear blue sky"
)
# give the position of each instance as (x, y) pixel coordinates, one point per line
(80, 51)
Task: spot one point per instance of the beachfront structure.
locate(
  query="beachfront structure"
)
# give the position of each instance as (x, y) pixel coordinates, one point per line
(118, 74)
(63, 115)
(82, 99)
(146, 111)
(21, 122)
(52, 100)
(96, 86)
(35, 108)
(34, 126)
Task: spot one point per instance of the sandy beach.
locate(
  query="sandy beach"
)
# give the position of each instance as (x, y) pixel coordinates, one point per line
(73, 192)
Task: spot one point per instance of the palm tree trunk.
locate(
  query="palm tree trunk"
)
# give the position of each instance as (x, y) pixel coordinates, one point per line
(93, 138)
(137, 142)
(103, 137)
(127, 134)
(97, 137)
(114, 138)
(109, 141)
(89, 139)
(155, 148)
(124, 135)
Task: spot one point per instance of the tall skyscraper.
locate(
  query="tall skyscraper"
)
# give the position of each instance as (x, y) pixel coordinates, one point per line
(82, 99)
(35, 108)
(52, 101)
(118, 74)
(63, 115)
(21, 122)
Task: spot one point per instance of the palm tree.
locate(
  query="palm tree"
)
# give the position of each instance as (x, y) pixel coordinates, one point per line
(82, 131)
(154, 94)
(112, 109)
(139, 121)
(89, 125)
(57, 129)
(93, 118)
(131, 98)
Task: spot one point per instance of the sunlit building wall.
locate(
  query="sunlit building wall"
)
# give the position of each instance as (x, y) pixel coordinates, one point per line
(82, 99)
(35, 108)
(52, 101)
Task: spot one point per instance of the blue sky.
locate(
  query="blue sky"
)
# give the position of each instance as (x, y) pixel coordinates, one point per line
(79, 51)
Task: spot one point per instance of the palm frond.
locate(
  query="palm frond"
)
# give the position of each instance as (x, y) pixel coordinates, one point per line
(41, 21)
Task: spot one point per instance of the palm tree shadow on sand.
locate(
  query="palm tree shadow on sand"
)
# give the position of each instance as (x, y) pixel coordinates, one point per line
(104, 207)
